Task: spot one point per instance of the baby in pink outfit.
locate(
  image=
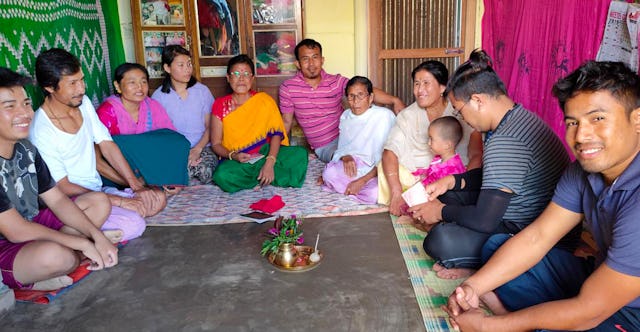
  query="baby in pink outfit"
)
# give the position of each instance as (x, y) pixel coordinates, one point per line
(444, 135)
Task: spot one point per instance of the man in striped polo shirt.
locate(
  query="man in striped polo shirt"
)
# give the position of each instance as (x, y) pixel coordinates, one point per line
(522, 161)
(317, 100)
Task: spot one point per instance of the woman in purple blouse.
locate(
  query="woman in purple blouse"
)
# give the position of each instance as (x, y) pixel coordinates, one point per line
(188, 104)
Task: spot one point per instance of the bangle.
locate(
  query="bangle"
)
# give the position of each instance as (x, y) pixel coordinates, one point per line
(272, 157)
(390, 174)
(230, 156)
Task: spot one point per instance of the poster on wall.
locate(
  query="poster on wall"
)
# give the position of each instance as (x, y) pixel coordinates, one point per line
(162, 12)
(615, 45)
(273, 11)
(218, 28)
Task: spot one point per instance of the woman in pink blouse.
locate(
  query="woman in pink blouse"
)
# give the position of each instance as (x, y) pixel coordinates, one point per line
(130, 110)
(143, 131)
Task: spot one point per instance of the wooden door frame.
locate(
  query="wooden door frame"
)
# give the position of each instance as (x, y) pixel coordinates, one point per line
(377, 54)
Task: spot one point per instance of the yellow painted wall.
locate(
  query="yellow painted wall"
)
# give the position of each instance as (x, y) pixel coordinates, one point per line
(341, 27)
(332, 24)
(479, 13)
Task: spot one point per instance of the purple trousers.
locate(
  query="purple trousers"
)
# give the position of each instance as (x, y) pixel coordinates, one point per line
(336, 180)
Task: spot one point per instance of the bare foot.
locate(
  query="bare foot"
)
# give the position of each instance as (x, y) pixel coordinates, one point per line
(113, 235)
(171, 190)
(320, 180)
(454, 273)
(52, 284)
(404, 219)
(494, 304)
(437, 267)
(422, 226)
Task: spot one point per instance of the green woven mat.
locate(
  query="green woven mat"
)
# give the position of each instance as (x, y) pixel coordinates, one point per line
(431, 291)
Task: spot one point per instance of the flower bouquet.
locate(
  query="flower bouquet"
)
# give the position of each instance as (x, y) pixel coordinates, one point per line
(285, 230)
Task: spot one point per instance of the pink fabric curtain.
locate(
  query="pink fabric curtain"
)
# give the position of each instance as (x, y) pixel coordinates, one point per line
(534, 43)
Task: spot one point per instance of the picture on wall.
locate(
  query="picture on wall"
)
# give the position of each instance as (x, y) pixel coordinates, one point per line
(275, 52)
(162, 12)
(273, 11)
(154, 43)
(218, 25)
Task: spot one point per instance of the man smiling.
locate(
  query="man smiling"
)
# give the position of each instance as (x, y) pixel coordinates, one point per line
(529, 285)
(317, 98)
(39, 247)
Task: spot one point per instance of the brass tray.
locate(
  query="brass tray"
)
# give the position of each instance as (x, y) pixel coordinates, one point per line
(305, 263)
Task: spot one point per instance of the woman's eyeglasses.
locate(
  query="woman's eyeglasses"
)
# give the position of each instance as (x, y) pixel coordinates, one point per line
(359, 96)
(238, 74)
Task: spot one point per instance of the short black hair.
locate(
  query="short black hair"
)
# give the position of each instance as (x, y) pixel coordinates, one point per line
(436, 68)
(476, 75)
(122, 69)
(309, 43)
(592, 76)
(240, 58)
(359, 80)
(52, 64)
(168, 54)
(10, 79)
(449, 128)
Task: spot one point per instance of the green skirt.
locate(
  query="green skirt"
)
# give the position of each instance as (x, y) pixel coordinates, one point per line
(289, 170)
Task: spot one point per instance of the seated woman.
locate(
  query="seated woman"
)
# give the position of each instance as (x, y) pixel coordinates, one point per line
(188, 104)
(407, 148)
(248, 131)
(143, 131)
(363, 130)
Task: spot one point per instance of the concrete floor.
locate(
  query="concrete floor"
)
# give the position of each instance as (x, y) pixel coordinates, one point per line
(197, 278)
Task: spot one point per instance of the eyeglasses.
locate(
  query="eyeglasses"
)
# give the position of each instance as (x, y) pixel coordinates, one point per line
(238, 74)
(359, 96)
(458, 112)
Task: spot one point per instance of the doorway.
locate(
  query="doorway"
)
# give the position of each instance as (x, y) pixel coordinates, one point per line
(404, 33)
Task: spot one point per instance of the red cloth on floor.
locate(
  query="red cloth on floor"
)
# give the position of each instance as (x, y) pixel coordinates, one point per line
(44, 297)
(270, 205)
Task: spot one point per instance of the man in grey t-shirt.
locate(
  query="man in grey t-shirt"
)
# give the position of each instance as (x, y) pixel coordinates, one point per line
(38, 248)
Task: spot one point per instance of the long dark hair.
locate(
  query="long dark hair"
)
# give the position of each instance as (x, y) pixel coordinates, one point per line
(474, 76)
(169, 53)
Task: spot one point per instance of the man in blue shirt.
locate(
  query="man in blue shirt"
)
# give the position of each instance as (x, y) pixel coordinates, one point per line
(530, 285)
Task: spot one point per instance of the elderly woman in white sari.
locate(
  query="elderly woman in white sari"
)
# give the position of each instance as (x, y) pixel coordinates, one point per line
(363, 130)
(407, 149)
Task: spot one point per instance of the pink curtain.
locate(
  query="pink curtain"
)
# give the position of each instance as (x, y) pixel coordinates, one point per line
(534, 43)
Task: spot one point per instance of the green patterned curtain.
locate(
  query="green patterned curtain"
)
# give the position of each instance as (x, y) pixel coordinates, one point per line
(79, 26)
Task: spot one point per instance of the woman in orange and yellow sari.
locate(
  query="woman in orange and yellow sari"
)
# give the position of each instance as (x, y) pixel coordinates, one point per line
(247, 130)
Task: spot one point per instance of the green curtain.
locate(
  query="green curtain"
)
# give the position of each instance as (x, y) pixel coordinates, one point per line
(79, 26)
(114, 43)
